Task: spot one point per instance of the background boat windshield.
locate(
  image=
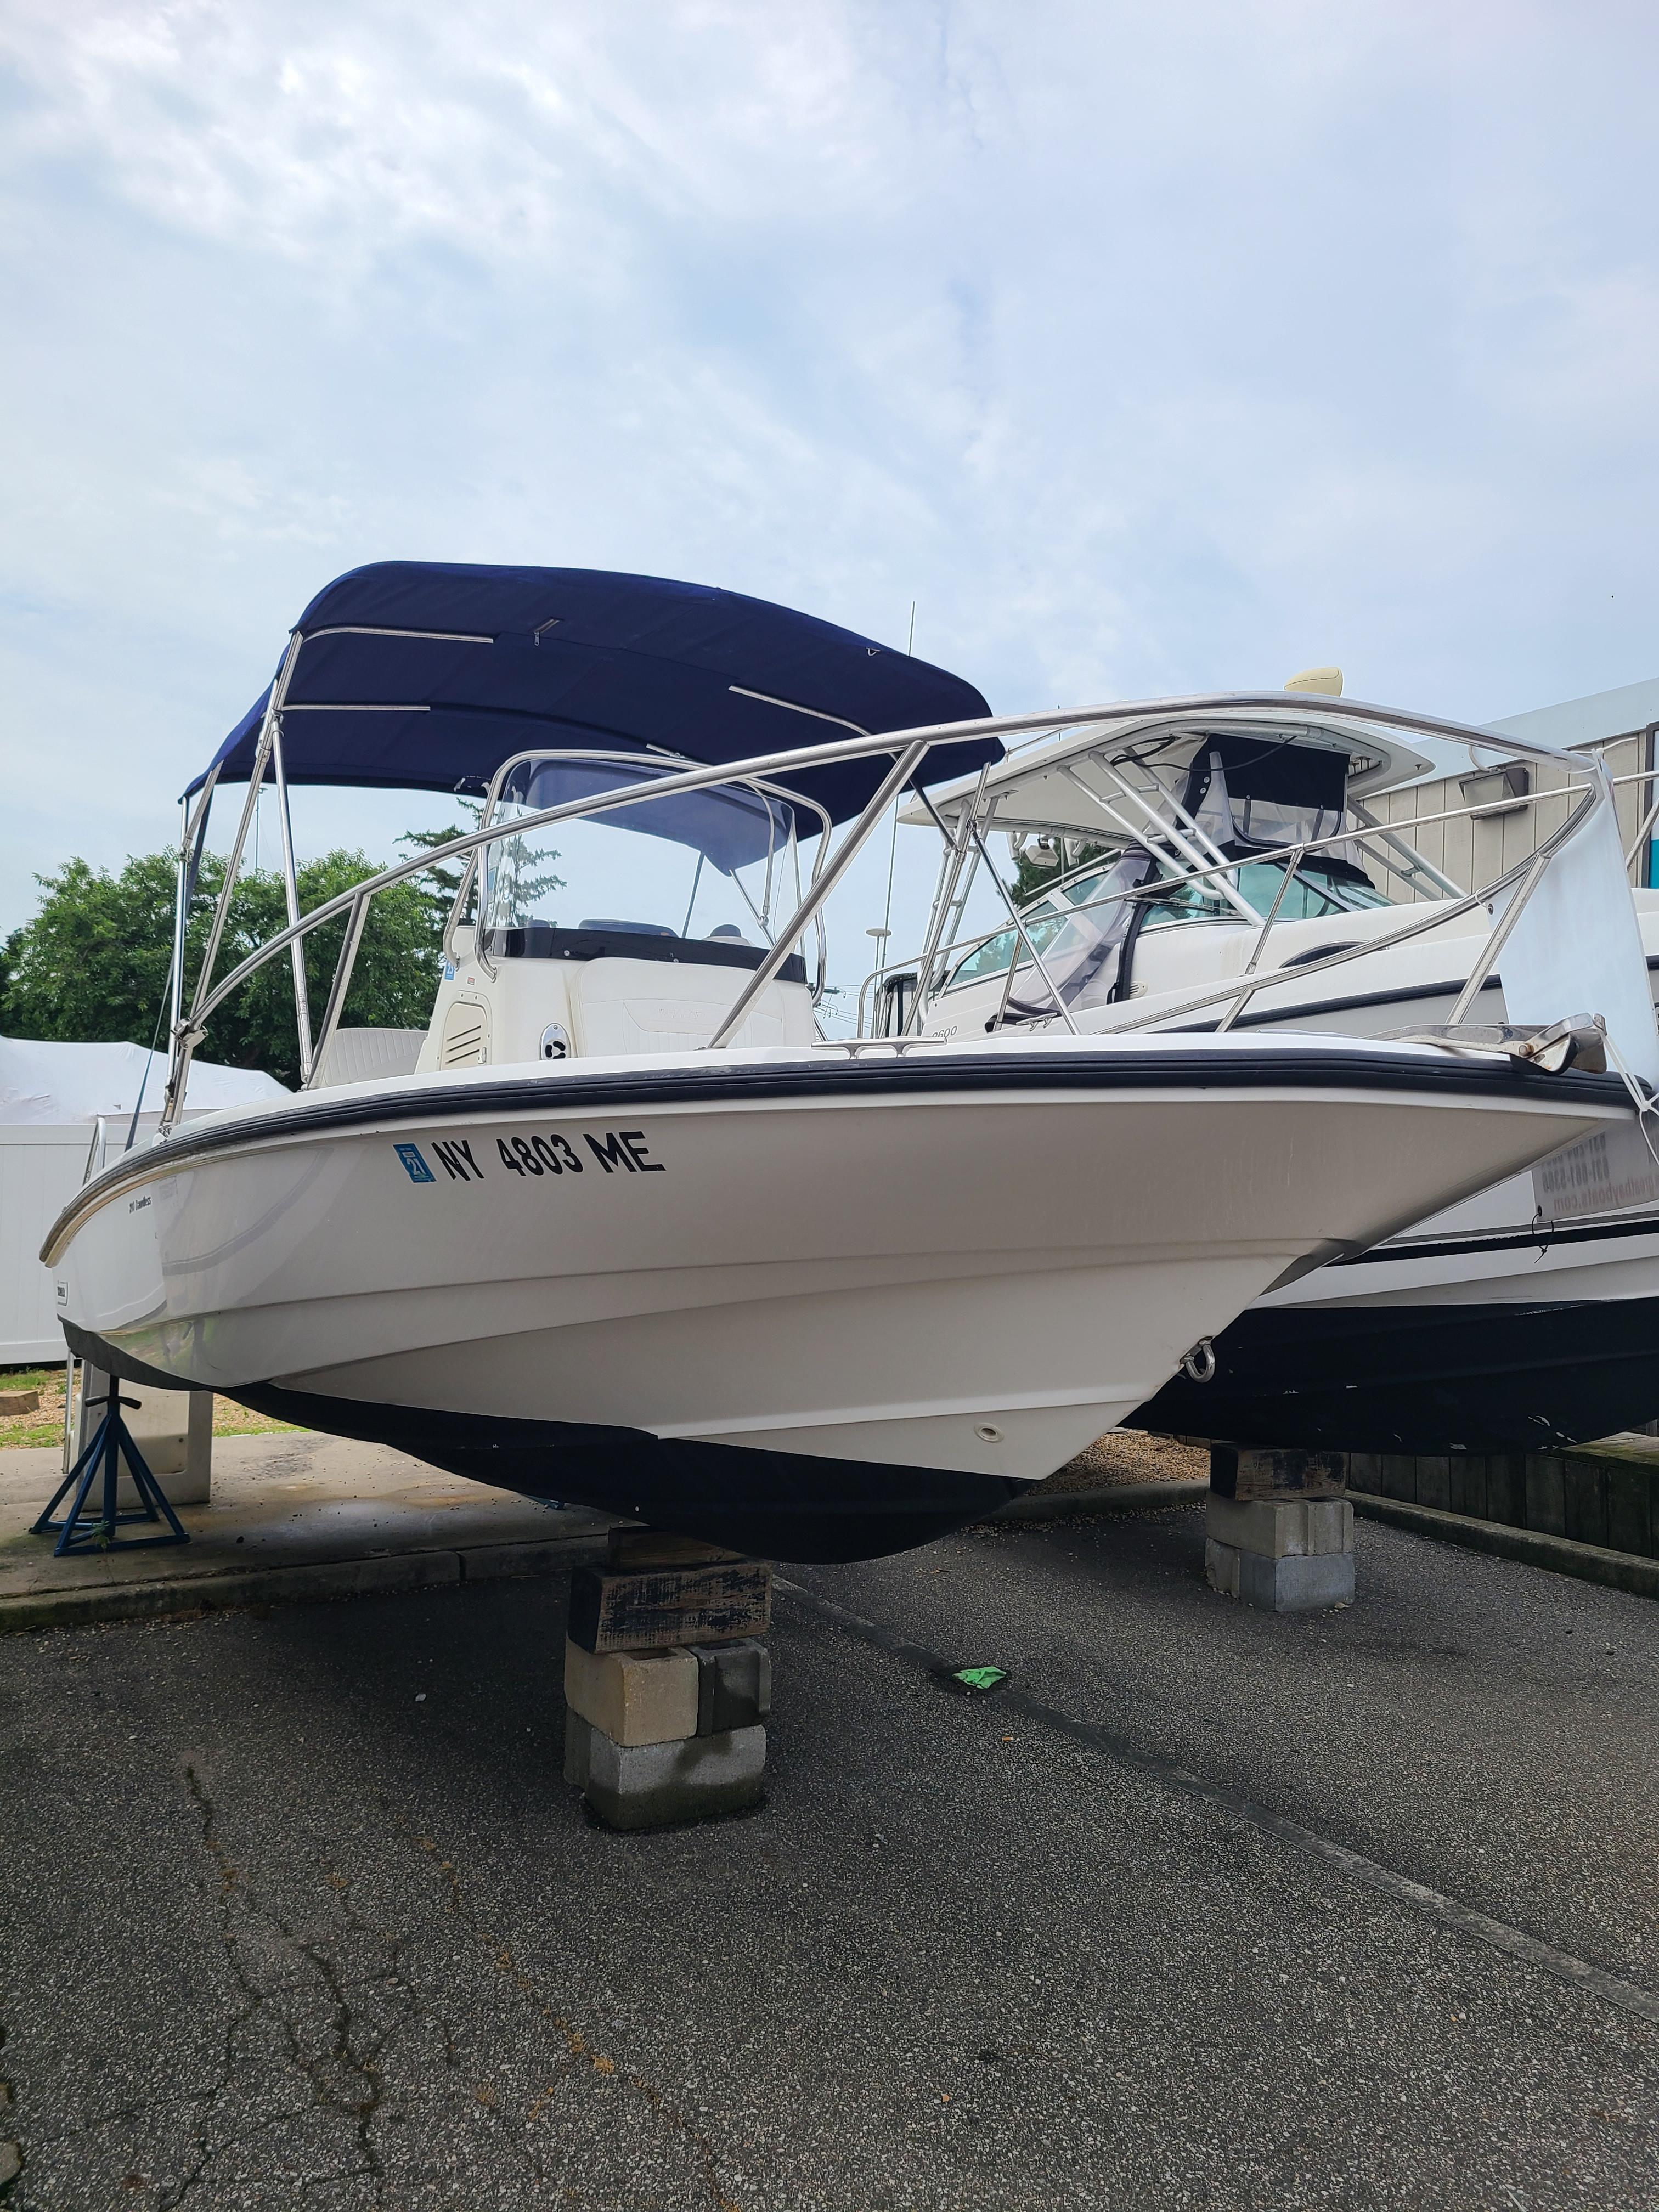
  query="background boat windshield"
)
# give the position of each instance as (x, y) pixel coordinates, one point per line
(1069, 940)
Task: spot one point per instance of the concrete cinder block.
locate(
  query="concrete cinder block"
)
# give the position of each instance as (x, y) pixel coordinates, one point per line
(635, 1697)
(1221, 1566)
(734, 1686)
(658, 1785)
(578, 1748)
(1245, 1472)
(1281, 1528)
(1298, 1583)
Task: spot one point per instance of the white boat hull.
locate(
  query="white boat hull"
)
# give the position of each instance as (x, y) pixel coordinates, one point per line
(820, 1306)
(1484, 1327)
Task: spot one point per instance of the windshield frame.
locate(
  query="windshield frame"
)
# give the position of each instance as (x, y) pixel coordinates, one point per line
(479, 870)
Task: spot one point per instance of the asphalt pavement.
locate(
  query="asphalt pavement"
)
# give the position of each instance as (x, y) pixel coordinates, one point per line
(1206, 1908)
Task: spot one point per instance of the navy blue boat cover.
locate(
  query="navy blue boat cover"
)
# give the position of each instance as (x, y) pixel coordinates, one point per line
(581, 658)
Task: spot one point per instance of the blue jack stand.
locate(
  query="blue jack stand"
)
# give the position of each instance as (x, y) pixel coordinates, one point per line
(112, 1443)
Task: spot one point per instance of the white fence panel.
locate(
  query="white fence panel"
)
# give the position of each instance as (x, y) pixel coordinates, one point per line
(40, 1171)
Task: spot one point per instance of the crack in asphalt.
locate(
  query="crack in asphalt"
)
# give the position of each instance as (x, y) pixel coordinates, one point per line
(10, 2149)
(345, 2077)
(576, 2042)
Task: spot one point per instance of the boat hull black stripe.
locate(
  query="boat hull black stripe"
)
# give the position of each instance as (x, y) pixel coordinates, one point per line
(1286, 1018)
(1425, 1379)
(780, 1505)
(1542, 1239)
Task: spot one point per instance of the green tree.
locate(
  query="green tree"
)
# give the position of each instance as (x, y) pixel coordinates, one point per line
(1031, 878)
(438, 884)
(92, 964)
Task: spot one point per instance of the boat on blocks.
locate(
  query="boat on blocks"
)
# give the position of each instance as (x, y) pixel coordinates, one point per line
(622, 1227)
(1298, 862)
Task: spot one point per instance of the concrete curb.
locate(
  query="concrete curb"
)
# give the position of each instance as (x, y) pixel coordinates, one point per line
(294, 1585)
(1110, 1497)
(1562, 1555)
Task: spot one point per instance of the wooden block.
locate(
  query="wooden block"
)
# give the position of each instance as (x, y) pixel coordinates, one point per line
(634, 1548)
(651, 1608)
(1584, 1484)
(1400, 1477)
(1434, 1482)
(634, 1697)
(1242, 1471)
(1366, 1473)
(1545, 1490)
(1506, 1488)
(1630, 1529)
(20, 1401)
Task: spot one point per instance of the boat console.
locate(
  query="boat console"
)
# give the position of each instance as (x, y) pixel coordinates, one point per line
(542, 993)
(634, 941)
(520, 984)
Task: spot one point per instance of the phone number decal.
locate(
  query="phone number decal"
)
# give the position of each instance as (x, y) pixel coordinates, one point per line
(616, 1150)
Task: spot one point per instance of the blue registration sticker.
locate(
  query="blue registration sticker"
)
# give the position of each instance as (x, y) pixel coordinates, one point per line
(418, 1170)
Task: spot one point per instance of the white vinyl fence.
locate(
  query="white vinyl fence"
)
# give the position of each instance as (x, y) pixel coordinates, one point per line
(40, 1169)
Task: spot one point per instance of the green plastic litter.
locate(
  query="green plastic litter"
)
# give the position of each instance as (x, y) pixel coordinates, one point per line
(980, 1678)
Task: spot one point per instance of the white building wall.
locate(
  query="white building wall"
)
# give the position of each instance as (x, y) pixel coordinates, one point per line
(1621, 725)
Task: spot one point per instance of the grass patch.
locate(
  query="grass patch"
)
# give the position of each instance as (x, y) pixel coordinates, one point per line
(31, 1378)
(26, 1431)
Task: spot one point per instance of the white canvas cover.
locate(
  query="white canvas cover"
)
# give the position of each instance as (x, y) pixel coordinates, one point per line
(51, 1097)
(48, 1084)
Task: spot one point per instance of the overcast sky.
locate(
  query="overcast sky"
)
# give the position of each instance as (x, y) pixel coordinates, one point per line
(1146, 348)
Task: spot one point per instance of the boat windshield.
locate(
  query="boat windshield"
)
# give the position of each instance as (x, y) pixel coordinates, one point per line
(709, 863)
(1089, 939)
(1319, 888)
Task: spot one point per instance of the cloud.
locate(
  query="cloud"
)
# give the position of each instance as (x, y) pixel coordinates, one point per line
(1146, 350)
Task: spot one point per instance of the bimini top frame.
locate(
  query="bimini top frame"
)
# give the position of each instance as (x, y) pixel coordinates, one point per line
(911, 753)
(424, 675)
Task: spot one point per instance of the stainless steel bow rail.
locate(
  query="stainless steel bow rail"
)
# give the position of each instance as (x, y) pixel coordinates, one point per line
(770, 775)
